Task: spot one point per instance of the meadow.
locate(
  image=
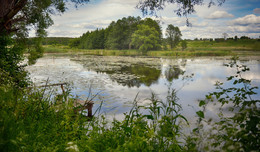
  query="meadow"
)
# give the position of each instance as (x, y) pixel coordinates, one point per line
(194, 48)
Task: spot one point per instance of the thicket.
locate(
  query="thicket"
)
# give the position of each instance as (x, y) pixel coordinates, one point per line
(240, 129)
(53, 40)
(120, 35)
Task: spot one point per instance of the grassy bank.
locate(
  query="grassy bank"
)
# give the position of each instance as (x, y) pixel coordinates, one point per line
(31, 120)
(195, 48)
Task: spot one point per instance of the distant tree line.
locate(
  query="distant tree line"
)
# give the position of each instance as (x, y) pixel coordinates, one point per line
(235, 38)
(52, 40)
(125, 33)
(130, 33)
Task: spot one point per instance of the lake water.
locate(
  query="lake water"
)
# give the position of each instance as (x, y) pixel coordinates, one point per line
(118, 80)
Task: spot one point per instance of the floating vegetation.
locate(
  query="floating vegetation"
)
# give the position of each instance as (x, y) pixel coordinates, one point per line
(129, 71)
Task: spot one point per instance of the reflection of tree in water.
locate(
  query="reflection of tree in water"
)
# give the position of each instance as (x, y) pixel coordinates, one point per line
(147, 75)
(173, 72)
(135, 75)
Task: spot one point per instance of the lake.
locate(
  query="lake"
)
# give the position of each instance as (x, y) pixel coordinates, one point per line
(118, 80)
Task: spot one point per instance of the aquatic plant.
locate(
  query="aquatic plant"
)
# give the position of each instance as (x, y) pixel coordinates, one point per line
(237, 132)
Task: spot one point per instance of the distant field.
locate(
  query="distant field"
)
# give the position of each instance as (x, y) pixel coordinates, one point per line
(195, 48)
(253, 45)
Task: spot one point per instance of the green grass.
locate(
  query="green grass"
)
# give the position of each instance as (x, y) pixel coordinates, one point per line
(253, 45)
(31, 121)
(195, 48)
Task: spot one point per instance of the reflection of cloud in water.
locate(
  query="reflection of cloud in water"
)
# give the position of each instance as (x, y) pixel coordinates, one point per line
(153, 74)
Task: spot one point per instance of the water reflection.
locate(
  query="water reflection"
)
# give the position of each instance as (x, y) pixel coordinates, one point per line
(133, 72)
(173, 72)
(121, 78)
(135, 76)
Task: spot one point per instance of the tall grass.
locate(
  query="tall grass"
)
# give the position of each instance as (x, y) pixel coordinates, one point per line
(229, 44)
(177, 52)
(195, 48)
(32, 121)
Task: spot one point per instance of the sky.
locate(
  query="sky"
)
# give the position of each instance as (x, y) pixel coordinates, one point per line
(234, 17)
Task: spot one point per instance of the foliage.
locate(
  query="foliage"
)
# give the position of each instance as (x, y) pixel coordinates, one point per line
(191, 51)
(118, 35)
(11, 53)
(146, 38)
(183, 44)
(157, 131)
(16, 15)
(173, 35)
(15, 18)
(153, 24)
(55, 40)
(184, 7)
(93, 40)
(73, 43)
(238, 132)
(32, 121)
(119, 32)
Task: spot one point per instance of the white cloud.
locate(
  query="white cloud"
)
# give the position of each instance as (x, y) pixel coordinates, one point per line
(219, 14)
(93, 25)
(91, 16)
(257, 10)
(203, 11)
(176, 21)
(244, 29)
(246, 20)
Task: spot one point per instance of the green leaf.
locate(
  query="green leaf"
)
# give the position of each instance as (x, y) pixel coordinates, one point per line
(149, 117)
(202, 103)
(200, 114)
(229, 78)
(235, 82)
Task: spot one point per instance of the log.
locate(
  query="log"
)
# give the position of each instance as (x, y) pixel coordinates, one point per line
(80, 105)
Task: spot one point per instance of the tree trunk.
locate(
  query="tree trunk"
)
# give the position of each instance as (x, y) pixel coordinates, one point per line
(8, 10)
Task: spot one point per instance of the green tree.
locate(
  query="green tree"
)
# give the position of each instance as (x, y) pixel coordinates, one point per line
(183, 45)
(153, 24)
(146, 38)
(184, 7)
(15, 18)
(119, 36)
(74, 43)
(11, 54)
(236, 38)
(16, 15)
(93, 40)
(173, 35)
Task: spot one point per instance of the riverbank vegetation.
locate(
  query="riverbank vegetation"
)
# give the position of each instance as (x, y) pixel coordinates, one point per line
(133, 36)
(34, 119)
(193, 48)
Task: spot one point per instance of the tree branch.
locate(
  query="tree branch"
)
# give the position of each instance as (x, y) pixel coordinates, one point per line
(18, 6)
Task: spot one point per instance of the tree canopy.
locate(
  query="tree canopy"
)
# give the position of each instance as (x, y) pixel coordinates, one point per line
(146, 38)
(119, 32)
(184, 7)
(173, 34)
(17, 15)
(119, 35)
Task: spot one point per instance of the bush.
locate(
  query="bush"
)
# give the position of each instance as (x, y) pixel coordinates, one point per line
(239, 132)
(31, 121)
